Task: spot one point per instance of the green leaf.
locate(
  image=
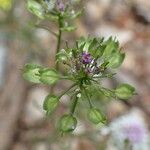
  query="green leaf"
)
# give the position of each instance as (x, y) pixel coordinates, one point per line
(62, 56)
(50, 103)
(76, 14)
(110, 46)
(88, 42)
(67, 123)
(125, 91)
(96, 116)
(84, 43)
(116, 60)
(68, 28)
(97, 52)
(35, 8)
(52, 17)
(69, 15)
(31, 72)
(92, 45)
(96, 48)
(49, 76)
(95, 42)
(104, 65)
(81, 43)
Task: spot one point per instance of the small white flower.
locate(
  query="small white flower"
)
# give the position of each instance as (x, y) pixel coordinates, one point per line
(79, 95)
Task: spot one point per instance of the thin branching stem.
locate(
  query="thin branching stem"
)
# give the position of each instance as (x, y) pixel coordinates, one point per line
(64, 92)
(59, 35)
(90, 103)
(58, 41)
(75, 101)
(46, 28)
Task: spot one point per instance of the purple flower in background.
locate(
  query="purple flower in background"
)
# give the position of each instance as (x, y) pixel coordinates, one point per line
(60, 5)
(134, 132)
(86, 58)
(131, 127)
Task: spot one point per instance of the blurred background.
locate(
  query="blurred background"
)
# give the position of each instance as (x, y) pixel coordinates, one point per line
(23, 125)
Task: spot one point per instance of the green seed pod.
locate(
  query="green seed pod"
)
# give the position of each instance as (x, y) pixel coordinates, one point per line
(49, 76)
(96, 116)
(124, 91)
(31, 72)
(50, 103)
(67, 123)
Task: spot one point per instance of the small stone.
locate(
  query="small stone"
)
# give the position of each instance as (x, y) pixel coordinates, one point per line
(34, 108)
(122, 35)
(95, 9)
(3, 54)
(80, 129)
(142, 8)
(115, 109)
(40, 146)
(20, 146)
(85, 144)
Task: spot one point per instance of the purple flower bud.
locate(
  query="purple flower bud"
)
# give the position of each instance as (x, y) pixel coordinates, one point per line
(86, 58)
(60, 5)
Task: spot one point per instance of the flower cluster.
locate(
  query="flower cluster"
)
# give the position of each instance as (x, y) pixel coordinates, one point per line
(86, 64)
(86, 58)
(55, 10)
(58, 5)
(91, 58)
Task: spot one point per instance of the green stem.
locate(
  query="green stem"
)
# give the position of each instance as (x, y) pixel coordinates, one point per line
(58, 40)
(75, 101)
(43, 27)
(67, 78)
(58, 47)
(64, 92)
(90, 103)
